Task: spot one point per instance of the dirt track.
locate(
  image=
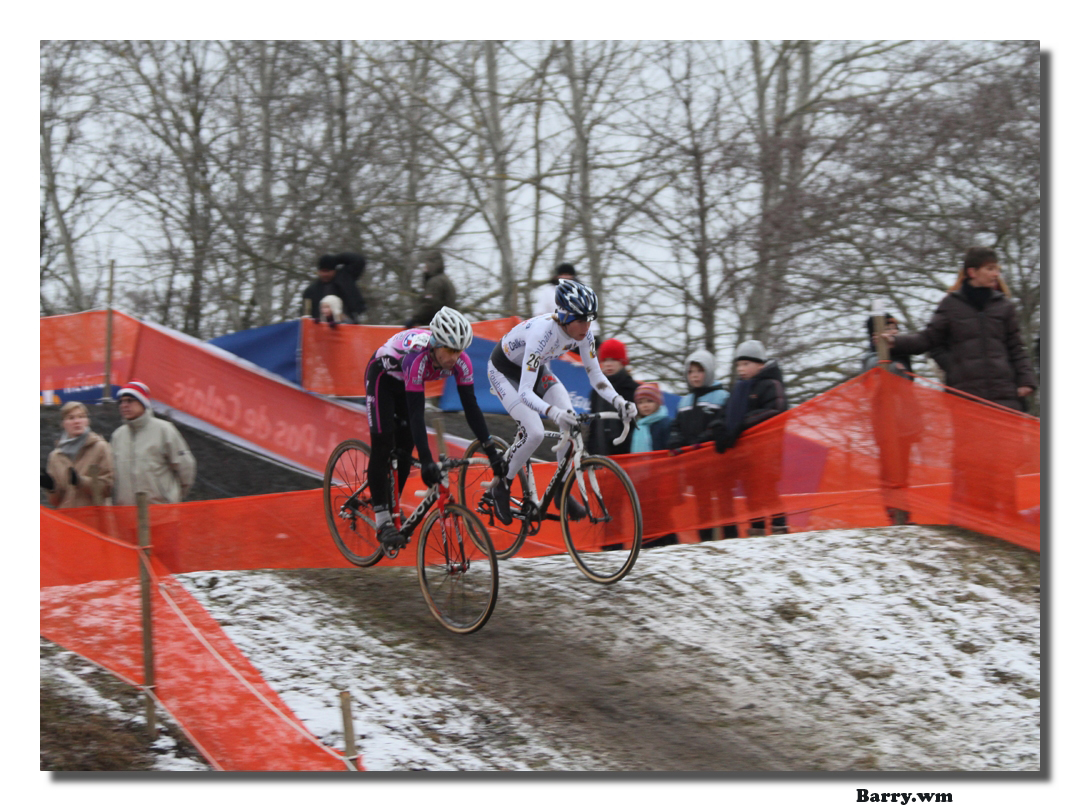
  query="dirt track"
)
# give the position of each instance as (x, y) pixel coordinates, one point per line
(540, 656)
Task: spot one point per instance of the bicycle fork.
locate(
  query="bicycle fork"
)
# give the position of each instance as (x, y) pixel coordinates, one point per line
(461, 565)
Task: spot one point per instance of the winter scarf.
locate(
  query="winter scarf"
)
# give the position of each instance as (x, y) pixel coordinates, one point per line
(976, 296)
(71, 445)
(641, 440)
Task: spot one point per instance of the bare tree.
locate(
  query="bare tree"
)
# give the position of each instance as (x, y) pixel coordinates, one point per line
(71, 206)
(709, 191)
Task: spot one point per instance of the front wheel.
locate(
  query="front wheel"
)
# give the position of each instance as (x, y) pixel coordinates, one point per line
(347, 502)
(606, 542)
(458, 570)
(474, 481)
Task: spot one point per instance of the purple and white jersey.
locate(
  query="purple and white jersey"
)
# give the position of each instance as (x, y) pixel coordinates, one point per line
(407, 357)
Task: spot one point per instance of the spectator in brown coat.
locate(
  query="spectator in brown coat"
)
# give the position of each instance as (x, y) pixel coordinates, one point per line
(80, 454)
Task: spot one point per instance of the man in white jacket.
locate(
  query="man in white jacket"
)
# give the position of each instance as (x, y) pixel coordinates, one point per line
(149, 454)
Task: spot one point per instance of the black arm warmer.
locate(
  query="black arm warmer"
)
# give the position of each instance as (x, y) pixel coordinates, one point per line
(473, 415)
(414, 401)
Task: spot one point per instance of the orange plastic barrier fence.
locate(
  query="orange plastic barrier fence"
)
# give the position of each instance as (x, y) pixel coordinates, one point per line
(844, 457)
(837, 461)
(279, 418)
(333, 359)
(90, 603)
(73, 350)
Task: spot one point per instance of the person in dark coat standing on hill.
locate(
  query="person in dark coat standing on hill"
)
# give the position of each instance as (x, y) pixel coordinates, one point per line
(603, 433)
(977, 325)
(333, 282)
(438, 292)
(350, 267)
(756, 397)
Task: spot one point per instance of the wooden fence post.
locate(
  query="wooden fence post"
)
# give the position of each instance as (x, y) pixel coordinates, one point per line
(142, 502)
(95, 485)
(106, 387)
(878, 315)
(350, 738)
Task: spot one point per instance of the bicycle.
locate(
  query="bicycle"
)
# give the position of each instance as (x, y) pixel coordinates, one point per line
(455, 559)
(604, 544)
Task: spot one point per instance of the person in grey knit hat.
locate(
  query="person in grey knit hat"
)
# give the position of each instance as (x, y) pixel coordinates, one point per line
(751, 350)
(757, 396)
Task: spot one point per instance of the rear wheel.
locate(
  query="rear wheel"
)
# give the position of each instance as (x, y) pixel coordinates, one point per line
(605, 543)
(347, 502)
(473, 483)
(459, 573)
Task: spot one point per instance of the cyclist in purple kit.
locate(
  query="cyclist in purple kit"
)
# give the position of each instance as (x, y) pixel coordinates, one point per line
(395, 380)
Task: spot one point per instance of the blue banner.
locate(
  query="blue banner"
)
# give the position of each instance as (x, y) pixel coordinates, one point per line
(272, 347)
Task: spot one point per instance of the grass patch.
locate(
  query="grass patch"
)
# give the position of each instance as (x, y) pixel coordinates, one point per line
(76, 739)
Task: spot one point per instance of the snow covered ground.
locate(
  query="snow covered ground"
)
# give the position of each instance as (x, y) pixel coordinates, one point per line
(878, 659)
(900, 649)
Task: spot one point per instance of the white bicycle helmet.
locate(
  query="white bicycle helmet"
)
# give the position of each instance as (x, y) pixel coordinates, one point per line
(451, 329)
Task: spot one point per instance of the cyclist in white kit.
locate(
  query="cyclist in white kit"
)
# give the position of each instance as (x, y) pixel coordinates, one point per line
(528, 390)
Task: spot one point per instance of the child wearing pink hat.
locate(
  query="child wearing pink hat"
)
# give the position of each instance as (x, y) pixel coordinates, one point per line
(653, 423)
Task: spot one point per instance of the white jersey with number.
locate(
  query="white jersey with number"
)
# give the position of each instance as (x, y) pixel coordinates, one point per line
(533, 343)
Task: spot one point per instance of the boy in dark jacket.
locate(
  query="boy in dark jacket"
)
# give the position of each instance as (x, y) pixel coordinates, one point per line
(702, 407)
(757, 396)
(700, 413)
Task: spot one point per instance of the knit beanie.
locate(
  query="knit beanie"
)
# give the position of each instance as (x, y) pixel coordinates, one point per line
(328, 261)
(649, 391)
(614, 350)
(751, 350)
(137, 389)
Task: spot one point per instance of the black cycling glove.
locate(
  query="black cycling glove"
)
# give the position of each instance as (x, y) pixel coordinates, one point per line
(430, 472)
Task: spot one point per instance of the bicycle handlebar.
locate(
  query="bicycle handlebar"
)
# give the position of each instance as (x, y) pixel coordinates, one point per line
(598, 415)
(614, 415)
